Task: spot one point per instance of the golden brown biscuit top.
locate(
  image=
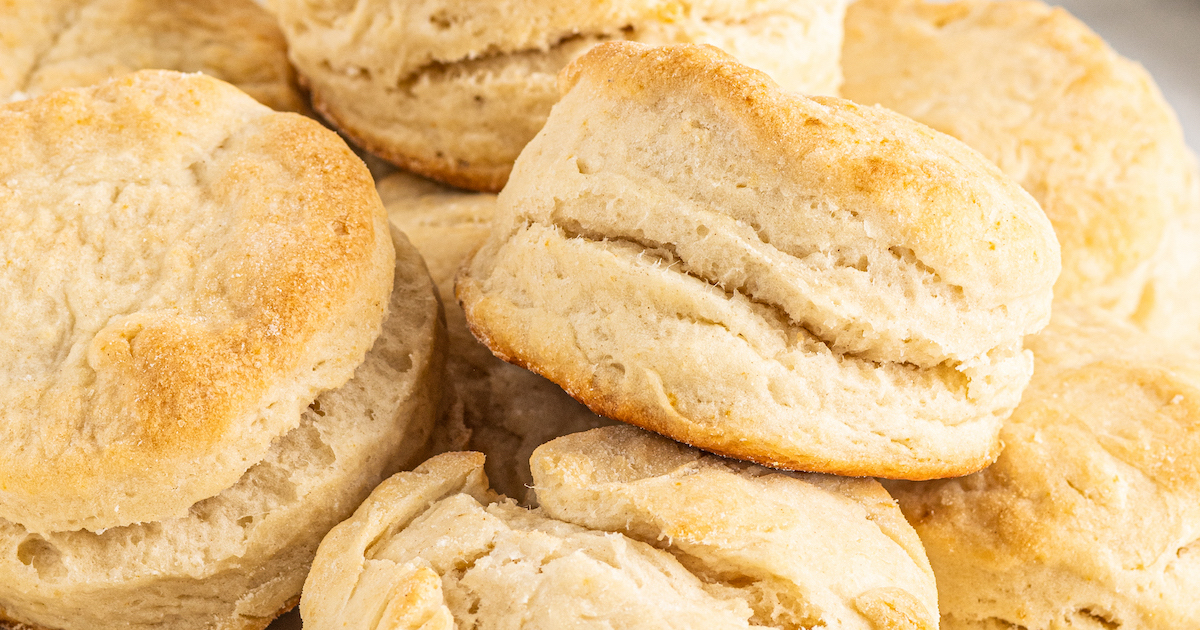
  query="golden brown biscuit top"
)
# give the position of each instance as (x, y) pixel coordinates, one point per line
(183, 272)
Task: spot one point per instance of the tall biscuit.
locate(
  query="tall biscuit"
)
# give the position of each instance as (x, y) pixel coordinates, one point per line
(52, 44)
(801, 282)
(1091, 516)
(1081, 128)
(636, 532)
(454, 89)
(507, 411)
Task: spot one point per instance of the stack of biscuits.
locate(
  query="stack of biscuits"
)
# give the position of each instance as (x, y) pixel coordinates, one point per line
(845, 314)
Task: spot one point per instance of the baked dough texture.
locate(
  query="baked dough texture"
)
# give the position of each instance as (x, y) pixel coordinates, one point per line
(635, 532)
(52, 44)
(453, 89)
(184, 271)
(506, 411)
(236, 560)
(1090, 518)
(801, 282)
(1084, 130)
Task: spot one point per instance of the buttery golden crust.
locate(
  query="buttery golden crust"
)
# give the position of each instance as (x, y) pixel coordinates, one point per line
(453, 89)
(184, 271)
(636, 532)
(1081, 128)
(1090, 518)
(508, 411)
(53, 44)
(237, 560)
(801, 282)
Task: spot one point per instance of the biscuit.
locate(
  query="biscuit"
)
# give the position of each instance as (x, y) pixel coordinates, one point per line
(1091, 516)
(508, 411)
(191, 283)
(635, 532)
(185, 284)
(52, 44)
(1084, 130)
(238, 559)
(801, 282)
(454, 89)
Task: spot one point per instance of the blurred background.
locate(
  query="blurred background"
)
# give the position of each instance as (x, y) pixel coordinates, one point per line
(1164, 36)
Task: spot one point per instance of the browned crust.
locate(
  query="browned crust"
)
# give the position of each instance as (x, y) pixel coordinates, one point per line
(581, 385)
(451, 172)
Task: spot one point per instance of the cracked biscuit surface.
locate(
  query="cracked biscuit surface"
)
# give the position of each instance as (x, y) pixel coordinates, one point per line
(1083, 129)
(236, 560)
(184, 271)
(507, 411)
(1090, 518)
(801, 282)
(453, 89)
(635, 531)
(52, 44)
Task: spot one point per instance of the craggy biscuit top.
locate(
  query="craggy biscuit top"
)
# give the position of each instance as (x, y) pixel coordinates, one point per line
(52, 44)
(816, 206)
(1083, 129)
(642, 533)
(1092, 512)
(184, 271)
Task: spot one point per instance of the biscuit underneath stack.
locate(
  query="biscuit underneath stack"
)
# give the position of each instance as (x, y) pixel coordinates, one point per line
(52, 44)
(454, 89)
(506, 411)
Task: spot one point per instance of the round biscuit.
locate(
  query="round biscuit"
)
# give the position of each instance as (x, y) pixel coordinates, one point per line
(184, 271)
(236, 560)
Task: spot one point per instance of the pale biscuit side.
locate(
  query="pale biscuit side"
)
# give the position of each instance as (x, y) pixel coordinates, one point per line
(454, 90)
(508, 411)
(435, 548)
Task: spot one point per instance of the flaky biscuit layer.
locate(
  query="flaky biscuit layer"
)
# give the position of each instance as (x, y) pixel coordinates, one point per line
(801, 282)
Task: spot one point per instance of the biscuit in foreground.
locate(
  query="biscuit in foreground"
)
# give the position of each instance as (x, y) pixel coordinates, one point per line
(635, 532)
(506, 411)
(454, 90)
(1090, 518)
(53, 44)
(1084, 130)
(800, 282)
(216, 349)
(239, 559)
